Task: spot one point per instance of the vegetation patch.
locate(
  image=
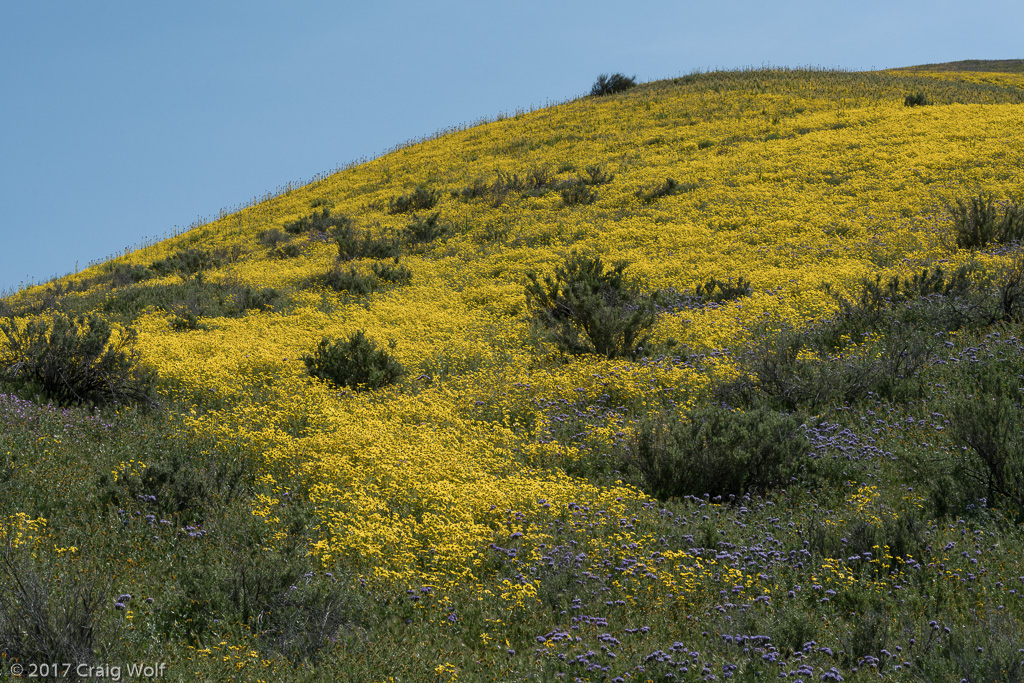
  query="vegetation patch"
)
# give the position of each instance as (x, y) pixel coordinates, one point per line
(318, 221)
(609, 85)
(720, 452)
(981, 221)
(197, 297)
(75, 361)
(584, 308)
(356, 244)
(355, 362)
(422, 198)
(426, 228)
(667, 188)
(917, 99)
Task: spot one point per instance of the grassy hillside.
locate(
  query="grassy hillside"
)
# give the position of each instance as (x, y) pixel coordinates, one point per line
(1015, 66)
(783, 437)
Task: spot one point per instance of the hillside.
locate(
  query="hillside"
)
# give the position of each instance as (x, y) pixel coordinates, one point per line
(1014, 66)
(763, 466)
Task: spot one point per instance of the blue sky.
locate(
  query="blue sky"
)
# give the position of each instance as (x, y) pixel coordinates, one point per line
(122, 120)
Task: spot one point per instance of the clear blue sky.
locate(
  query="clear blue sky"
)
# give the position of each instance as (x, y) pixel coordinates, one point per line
(120, 120)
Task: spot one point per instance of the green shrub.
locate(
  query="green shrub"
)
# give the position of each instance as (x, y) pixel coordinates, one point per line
(121, 274)
(716, 291)
(187, 320)
(269, 588)
(718, 451)
(577, 193)
(246, 298)
(538, 181)
(176, 484)
(188, 263)
(200, 298)
(286, 251)
(796, 368)
(425, 228)
(981, 221)
(917, 99)
(392, 272)
(479, 189)
(47, 615)
(75, 361)
(585, 309)
(986, 415)
(321, 221)
(353, 244)
(420, 199)
(350, 280)
(669, 187)
(355, 362)
(272, 237)
(609, 85)
(596, 175)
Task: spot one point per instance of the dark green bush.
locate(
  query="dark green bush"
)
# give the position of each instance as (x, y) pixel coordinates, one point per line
(187, 320)
(272, 237)
(917, 99)
(188, 263)
(350, 280)
(609, 85)
(420, 199)
(246, 298)
(717, 291)
(669, 187)
(981, 221)
(177, 485)
(479, 189)
(425, 228)
(719, 451)
(578, 193)
(200, 298)
(538, 181)
(585, 309)
(270, 588)
(286, 251)
(353, 244)
(318, 221)
(392, 272)
(904, 322)
(986, 415)
(121, 274)
(75, 361)
(47, 615)
(355, 362)
(596, 175)
(795, 367)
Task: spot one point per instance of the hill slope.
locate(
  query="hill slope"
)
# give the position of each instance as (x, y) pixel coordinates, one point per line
(1015, 66)
(502, 479)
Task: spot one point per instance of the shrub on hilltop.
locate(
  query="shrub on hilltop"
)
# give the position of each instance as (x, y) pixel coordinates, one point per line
(609, 85)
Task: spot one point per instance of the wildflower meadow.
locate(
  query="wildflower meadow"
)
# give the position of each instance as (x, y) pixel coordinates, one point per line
(717, 377)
